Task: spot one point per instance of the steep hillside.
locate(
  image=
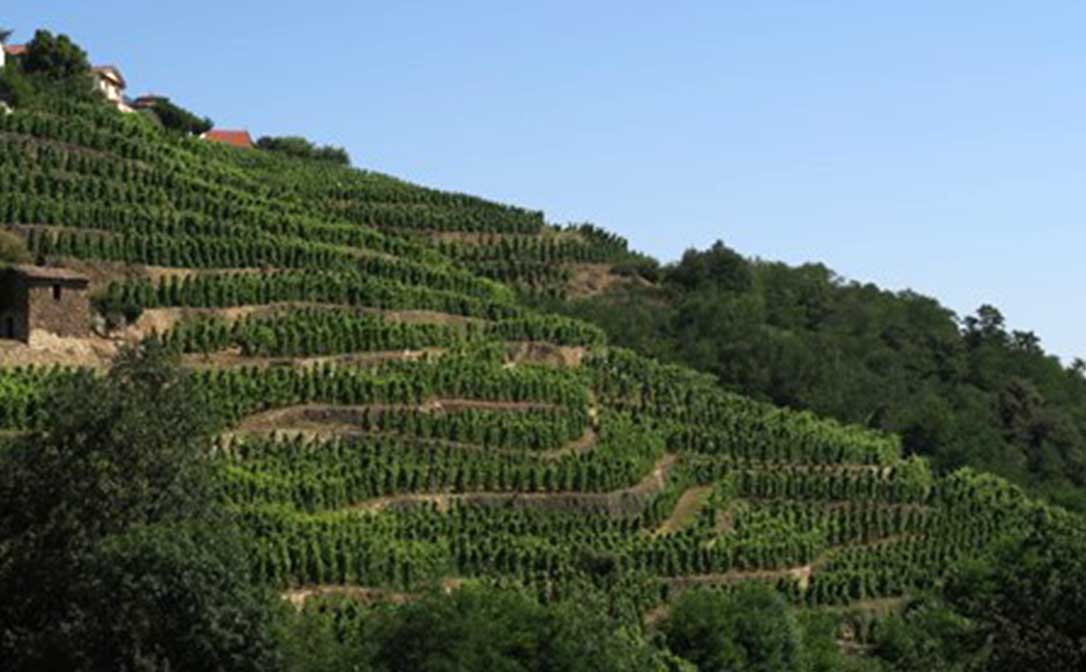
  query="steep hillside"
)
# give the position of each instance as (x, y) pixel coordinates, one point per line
(961, 391)
(396, 417)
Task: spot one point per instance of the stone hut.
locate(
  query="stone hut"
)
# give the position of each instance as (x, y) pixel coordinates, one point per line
(50, 299)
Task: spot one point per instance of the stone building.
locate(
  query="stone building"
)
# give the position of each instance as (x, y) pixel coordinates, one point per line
(39, 298)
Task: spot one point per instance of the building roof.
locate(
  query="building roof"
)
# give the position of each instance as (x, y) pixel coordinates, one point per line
(235, 138)
(110, 72)
(14, 49)
(49, 273)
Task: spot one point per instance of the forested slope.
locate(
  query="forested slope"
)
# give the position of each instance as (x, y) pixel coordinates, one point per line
(962, 391)
(394, 415)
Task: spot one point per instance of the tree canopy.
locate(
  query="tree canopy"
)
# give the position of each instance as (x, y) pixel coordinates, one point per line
(112, 552)
(301, 148)
(177, 118)
(962, 392)
(54, 56)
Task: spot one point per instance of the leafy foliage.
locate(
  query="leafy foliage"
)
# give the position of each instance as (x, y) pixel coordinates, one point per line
(748, 629)
(55, 57)
(572, 491)
(959, 392)
(1029, 597)
(111, 549)
(301, 148)
(177, 118)
(13, 249)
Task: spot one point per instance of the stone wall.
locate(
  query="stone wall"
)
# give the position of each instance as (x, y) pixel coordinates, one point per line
(68, 315)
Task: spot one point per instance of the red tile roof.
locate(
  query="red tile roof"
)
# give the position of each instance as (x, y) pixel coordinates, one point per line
(14, 49)
(235, 138)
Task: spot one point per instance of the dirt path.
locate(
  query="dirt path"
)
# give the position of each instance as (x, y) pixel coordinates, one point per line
(334, 419)
(162, 319)
(298, 596)
(582, 444)
(234, 358)
(685, 511)
(802, 574)
(619, 502)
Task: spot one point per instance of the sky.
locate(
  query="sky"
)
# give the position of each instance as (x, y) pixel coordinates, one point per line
(933, 146)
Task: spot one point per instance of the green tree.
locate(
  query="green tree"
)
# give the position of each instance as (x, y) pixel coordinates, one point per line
(1029, 597)
(719, 266)
(748, 630)
(299, 147)
(177, 118)
(927, 636)
(54, 57)
(177, 597)
(474, 628)
(960, 392)
(107, 558)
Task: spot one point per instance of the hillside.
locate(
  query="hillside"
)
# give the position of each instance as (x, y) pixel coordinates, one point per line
(395, 415)
(961, 391)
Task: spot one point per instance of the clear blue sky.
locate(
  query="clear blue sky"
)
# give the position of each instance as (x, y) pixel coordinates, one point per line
(939, 146)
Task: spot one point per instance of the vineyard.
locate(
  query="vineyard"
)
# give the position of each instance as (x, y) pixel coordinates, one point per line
(447, 458)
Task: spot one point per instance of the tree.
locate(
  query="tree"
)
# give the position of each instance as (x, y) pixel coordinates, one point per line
(301, 148)
(1029, 595)
(5, 35)
(1078, 367)
(178, 596)
(928, 635)
(54, 57)
(897, 361)
(114, 554)
(988, 325)
(474, 628)
(719, 266)
(749, 630)
(177, 118)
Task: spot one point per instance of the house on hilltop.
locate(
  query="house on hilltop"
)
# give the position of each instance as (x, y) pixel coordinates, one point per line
(11, 50)
(40, 298)
(107, 78)
(110, 82)
(236, 138)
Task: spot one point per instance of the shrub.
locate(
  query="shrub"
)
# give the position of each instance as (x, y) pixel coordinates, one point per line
(177, 118)
(299, 147)
(749, 629)
(15, 89)
(13, 249)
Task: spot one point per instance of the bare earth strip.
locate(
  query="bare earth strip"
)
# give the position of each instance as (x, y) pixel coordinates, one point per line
(627, 501)
(314, 416)
(685, 511)
(579, 446)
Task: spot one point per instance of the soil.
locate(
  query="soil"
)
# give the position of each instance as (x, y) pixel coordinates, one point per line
(685, 511)
(47, 349)
(537, 352)
(627, 501)
(593, 279)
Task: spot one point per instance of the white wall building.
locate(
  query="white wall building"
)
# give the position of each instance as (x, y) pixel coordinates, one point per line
(109, 80)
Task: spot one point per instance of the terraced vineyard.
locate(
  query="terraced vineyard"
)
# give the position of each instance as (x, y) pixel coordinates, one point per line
(395, 416)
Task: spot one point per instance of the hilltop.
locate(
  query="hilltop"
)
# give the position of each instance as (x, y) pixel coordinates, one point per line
(399, 407)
